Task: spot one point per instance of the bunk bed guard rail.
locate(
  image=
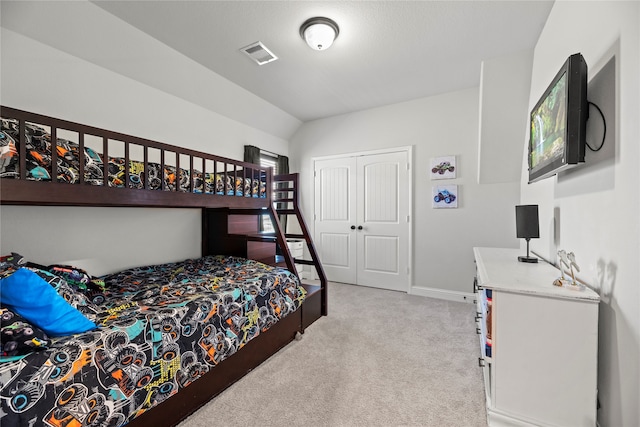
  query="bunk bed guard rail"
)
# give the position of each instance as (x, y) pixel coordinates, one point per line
(49, 161)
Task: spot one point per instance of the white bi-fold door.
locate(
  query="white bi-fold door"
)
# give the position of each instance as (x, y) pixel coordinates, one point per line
(362, 218)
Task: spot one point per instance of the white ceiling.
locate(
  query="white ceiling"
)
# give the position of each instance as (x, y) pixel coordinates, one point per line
(387, 51)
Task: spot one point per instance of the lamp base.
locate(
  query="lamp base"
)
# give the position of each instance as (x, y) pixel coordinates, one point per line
(531, 259)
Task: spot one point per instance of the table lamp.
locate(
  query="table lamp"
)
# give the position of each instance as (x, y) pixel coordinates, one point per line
(527, 227)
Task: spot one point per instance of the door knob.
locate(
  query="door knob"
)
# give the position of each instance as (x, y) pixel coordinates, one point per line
(353, 227)
(359, 227)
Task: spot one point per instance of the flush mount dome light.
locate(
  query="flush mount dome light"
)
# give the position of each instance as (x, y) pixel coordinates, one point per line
(319, 32)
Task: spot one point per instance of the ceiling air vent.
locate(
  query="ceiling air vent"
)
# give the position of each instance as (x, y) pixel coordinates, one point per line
(259, 53)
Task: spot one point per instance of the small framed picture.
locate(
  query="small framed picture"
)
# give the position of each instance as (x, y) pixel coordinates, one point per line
(443, 167)
(444, 196)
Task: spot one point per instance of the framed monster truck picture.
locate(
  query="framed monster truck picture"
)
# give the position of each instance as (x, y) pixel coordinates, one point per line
(444, 196)
(443, 167)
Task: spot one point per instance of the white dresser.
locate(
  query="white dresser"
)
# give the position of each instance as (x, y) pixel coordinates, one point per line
(538, 342)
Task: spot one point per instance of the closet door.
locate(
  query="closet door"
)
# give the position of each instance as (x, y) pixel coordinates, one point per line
(383, 213)
(362, 207)
(335, 217)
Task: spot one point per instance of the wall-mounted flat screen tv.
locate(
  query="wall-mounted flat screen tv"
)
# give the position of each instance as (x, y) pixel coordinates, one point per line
(558, 122)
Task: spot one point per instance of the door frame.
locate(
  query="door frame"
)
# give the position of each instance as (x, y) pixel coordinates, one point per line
(408, 149)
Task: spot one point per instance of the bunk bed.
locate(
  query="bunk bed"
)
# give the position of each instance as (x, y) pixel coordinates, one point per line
(168, 337)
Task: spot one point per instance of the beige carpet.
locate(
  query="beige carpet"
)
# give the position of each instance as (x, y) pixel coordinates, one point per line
(380, 358)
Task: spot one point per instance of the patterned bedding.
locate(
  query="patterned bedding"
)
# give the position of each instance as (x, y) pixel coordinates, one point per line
(160, 328)
(38, 165)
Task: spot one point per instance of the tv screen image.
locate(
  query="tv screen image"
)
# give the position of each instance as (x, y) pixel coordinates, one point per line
(558, 122)
(548, 126)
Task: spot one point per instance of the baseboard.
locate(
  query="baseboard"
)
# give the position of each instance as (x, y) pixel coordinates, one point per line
(469, 297)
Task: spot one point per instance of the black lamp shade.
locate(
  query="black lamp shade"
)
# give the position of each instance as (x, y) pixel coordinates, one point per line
(527, 226)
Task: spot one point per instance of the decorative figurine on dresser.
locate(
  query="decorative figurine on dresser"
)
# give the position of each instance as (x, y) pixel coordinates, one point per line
(568, 260)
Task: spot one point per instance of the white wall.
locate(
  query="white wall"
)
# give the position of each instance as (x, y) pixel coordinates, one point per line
(45, 80)
(38, 78)
(84, 30)
(436, 126)
(100, 240)
(594, 211)
(504, 96)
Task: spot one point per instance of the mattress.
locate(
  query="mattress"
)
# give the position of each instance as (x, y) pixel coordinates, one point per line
(161, 327)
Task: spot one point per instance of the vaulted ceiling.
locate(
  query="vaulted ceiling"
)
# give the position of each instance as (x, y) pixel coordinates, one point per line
(386, 52)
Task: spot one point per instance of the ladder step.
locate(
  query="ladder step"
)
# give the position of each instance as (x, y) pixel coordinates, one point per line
(303, 261)
(286, 211)
(283, 200)
(284, 189)
(285, 177)
(295, 236)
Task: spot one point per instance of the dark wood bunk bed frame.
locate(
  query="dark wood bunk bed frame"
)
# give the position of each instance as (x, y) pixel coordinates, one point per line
(230, 227)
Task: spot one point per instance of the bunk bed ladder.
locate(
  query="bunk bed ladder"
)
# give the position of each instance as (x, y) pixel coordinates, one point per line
(286, 204)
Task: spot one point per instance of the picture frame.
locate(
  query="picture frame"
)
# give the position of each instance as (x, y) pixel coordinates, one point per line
(444, 196)
(443, 167)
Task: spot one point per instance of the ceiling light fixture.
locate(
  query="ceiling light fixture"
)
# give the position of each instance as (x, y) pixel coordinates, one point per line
(319, 32)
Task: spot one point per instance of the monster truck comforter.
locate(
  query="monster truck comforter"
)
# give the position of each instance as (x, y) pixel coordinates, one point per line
(160, 328)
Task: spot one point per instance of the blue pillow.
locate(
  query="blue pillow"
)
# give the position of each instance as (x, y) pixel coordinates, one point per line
(38, 302)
